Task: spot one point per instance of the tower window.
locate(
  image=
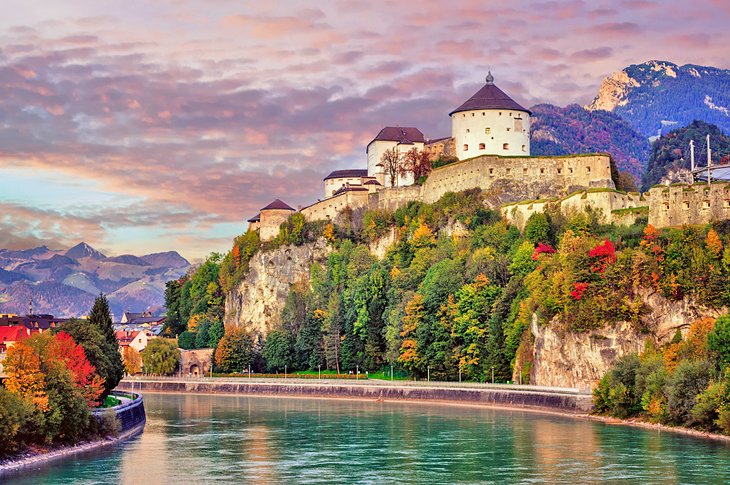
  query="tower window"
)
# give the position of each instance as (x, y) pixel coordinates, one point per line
(472, 114)
(523, 148)
(507, 129)
(588, 169)
(505, 146)
(491, 171)
(542, 170)
(466, 147)
(487, 130)
(484, 114)
(524, 171)
(482, 146)
(467, 130)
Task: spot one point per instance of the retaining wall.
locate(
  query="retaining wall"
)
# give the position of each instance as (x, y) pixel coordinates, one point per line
(564, 400)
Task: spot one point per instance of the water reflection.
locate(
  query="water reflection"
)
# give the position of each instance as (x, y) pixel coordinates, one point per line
(225, 439)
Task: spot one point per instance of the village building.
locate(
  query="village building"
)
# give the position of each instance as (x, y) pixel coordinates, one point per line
(136, 339)
(9, 336)
(39, 322)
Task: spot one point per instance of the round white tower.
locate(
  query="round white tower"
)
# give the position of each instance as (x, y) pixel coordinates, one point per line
(490, 123)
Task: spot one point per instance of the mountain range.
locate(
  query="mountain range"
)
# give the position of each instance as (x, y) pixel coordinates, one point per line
(635, 109)
(65, 282)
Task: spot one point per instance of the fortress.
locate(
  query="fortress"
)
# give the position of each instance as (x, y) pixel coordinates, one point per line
(490, 143)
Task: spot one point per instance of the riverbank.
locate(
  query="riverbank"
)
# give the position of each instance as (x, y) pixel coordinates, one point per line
(132, 421)
(636, 423)
(564, 400)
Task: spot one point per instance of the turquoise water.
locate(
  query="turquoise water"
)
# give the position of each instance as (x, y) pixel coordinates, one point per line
(229, 439)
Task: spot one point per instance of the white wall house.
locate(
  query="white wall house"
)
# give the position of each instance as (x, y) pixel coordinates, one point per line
(344, 178)
(402, 139)
(490, 123)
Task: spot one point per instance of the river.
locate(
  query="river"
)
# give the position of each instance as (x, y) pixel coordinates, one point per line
(232, 439)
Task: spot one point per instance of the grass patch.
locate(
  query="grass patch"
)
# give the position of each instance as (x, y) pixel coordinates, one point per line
(110, 402)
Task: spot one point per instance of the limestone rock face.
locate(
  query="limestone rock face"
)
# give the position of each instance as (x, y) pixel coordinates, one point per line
(568, 359)
(613, 92)
(256, 304)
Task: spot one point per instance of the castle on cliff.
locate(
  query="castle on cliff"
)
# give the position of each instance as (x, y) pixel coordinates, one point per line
(490, 140)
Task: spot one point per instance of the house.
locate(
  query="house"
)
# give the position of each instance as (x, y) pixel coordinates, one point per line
(397, 138)
(40, 322)
(136, 339)
(9, 335)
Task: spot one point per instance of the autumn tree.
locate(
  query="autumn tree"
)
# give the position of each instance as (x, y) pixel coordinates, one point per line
(416, 162)
(392, 163)
(71, 355)
(25, 377)
(235, 351)
(132, 360)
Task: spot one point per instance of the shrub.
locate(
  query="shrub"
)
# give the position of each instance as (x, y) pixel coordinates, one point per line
(718, 340)
(14, 414)
(160, 357)
(689, 380)
(705, 411)
(108, 424)
(615, 394)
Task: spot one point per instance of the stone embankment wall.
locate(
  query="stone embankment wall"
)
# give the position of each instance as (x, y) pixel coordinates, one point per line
(680, 204)
(256, 303)
(563, 400)
(565, 358)
(131, 416)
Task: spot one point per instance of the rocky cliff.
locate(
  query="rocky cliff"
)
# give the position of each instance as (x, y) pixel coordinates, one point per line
(568, 359)
(256, 303)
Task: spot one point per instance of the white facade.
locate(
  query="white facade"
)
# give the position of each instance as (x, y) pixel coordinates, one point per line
(332, 185)
(502, 132)
(375, 151)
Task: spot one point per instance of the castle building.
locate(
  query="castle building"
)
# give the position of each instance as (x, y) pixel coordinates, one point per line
(490, 123)
(345, 178)
(398, 138)
(271, 217)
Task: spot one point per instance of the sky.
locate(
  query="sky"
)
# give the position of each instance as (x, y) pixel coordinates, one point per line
(142, 126)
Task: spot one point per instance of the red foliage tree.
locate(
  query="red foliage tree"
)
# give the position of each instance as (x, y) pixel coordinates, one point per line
(542, 249)
(71, 355)
(605, 253)
(417, 162)
(578, 289)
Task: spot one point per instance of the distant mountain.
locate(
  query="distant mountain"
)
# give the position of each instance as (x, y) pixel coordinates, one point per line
(573, 129)
(169, 259)
(128, 259)
(65, 283)
(670, 155)
(659, 95)
(83, 250)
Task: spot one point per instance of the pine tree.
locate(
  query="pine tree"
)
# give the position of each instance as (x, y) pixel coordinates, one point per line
(101, 318)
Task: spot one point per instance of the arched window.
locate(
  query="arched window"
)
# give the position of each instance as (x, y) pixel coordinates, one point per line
(523, 148)
(466, 147)
(505, 146)
(482, 146)
(468, 131)
(487, 130)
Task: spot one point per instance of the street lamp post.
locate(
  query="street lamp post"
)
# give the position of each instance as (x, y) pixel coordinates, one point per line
(319, 372)
(284, 371)
(428, 375)
(492, 374)
(391, 372)
(357, 372)
(459, 373)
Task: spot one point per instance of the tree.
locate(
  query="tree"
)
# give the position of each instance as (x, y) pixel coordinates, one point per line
(217, 330)
(186, 340)
(278, 350)
(24, 375)
(718, 340)
(416, 162)
(101, 318)
(132, 360)
(160, 357)
(391, 162)
(235, 351)
(538, 229)
(14, 415)
(72, 356)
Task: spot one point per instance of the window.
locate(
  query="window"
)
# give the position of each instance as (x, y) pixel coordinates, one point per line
(500, 113)
(705, 204)
(468, 131)
(509, 170)
(570, 170)
(472, 114)
(560, 171)
(482, 146)
(507, 129)
(686, 205)
(542, 170)
(524, 150)
(463, 116)
(484, 114)
(666, 206)
(487, 131)
(491, 171)
(466, 147)
(588, 169)
(505, 146)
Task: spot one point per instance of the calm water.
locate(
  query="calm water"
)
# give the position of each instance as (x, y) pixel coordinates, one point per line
(225, 439)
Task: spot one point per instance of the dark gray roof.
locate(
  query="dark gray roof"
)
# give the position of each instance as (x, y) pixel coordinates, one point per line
(278, 205)
(256, 218)
(406, 135)
(372, 182)
(349, 172)
(489, 97)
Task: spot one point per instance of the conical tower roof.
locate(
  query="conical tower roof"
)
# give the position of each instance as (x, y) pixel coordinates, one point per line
(278, 205)
(490, 97)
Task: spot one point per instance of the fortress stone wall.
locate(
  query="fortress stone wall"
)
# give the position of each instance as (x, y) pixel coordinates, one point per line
(615, 206)
(546, 176)
(680, 204)
(328, 209)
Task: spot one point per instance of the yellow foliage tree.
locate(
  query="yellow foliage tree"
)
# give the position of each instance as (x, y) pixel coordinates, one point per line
(132, 361)
(423, 236)
(329, 232)
(713, 242)
(25, 377)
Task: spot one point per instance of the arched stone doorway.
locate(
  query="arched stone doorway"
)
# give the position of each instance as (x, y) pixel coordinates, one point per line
(194, 370)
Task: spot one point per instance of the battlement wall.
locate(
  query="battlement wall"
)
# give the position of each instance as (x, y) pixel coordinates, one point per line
(541, 177)
(328, 208)
(395, 197)
(614, 206)
(680, 204)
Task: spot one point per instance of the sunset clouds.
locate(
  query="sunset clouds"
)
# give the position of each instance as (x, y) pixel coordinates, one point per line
(141, 126)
